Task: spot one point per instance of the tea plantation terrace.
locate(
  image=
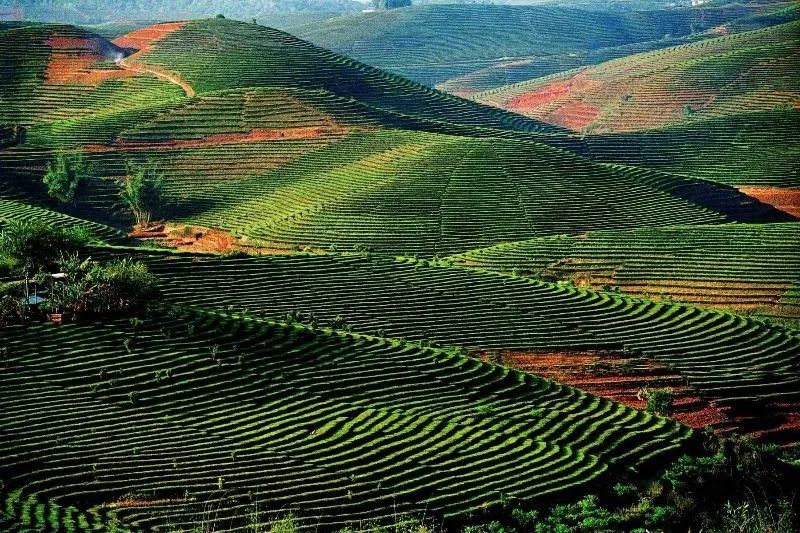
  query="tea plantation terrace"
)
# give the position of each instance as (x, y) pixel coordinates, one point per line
(256, 420)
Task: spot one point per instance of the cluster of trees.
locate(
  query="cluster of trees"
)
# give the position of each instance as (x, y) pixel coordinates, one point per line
(142, 187)
(50, 261)
(99, 11)
(734, 484)
(390, 4)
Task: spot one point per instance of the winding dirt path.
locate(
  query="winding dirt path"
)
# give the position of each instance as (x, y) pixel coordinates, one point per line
(141, 68)
(142, 41)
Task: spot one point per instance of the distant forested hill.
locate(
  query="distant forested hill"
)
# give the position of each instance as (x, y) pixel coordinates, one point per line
(468, 48)
(98, 11)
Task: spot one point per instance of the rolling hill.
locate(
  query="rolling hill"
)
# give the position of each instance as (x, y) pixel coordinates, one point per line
(747, 72)
(745, 366)
(262, 420)
(285, 144)
(753, 268)
(385, 302)
(469, 48)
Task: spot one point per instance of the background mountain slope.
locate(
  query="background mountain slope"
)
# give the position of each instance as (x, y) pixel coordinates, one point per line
(468, 48)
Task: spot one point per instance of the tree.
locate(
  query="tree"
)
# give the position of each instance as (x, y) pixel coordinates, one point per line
(66, 175)
(659, 400)
(32, 245)
(100, 289)
(390, 4)
(143, 192)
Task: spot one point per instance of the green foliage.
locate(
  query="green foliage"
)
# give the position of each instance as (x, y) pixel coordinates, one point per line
(12, 310)
(287, 524)
(143, 192)
(94, 288)
(659, 400)
(66, 176)
(756, 517)
(585, 515)
(34, 246)
(390, 4)
(524, 518)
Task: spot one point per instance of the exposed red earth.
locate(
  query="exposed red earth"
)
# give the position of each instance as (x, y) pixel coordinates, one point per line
(621, 379)
(787, 199)
(618, 378)
(142, 39)
(72, 61)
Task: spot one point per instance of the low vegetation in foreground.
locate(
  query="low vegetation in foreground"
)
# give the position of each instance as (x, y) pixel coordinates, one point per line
(251, 284)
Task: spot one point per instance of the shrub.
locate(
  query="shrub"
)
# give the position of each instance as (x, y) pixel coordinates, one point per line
(659, 401)
(756, 517)
(66, 176)
(143, 192)
(339, 322)
(12, 310)
(32, 245)
(585, 515)
(94, 288)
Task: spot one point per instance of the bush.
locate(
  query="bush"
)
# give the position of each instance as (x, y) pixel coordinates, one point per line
(32, 246)
(66, 176)
(143, 192)
(659, 401)
(585, 515)
(93, 288)
(12, 310)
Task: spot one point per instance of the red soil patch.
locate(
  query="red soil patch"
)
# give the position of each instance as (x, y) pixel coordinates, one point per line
(787, 199)
(72, 59)
(552, 92)
(65, 68)
(621, 378)
(618, 378)
(574, 115)
(142, 39)
(545, 95)
(201, 240)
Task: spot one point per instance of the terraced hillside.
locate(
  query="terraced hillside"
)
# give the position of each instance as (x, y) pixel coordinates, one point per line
(748, 72)
(465, 49)
(257, 56)
(23, 211)
(457, 193)
(321, 150)
(735, 360)
(253, 420)
(756, 149)
(753, 268)
(343, 375)
(65, 75)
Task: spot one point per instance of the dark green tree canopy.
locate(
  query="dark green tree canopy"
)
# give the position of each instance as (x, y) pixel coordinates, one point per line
(391, 4)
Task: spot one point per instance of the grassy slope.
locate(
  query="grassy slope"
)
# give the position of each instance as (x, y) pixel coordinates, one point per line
(467, 48)
(480, 310)
(257, 56)
(350, 157)
(258, 420)
(745, 267)
(756, 148)
(747, 72)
